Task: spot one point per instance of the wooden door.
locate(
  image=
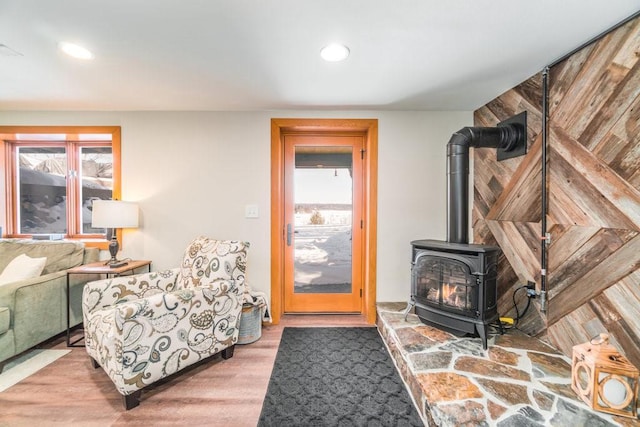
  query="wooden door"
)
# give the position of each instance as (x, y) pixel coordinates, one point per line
(323, 211)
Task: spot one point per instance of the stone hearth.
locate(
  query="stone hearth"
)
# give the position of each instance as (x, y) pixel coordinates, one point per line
(518, 381)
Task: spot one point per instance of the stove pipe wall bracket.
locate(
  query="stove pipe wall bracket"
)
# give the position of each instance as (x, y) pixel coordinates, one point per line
(510, 140)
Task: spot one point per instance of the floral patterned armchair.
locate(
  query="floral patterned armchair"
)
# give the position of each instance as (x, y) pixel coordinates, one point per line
(145, 327)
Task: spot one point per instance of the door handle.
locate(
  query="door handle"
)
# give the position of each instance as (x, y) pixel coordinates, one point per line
(288, 234)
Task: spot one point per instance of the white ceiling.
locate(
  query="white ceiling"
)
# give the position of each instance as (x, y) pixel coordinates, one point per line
(236, 55)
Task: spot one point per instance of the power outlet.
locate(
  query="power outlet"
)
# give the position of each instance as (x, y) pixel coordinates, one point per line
(251, 211)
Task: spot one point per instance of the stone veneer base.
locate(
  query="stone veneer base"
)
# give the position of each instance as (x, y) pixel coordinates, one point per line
(518, 381)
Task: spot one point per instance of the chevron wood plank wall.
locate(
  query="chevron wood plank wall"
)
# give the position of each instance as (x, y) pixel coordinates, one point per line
(593, 182)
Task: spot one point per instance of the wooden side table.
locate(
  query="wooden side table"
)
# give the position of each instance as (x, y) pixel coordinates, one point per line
(102, 268)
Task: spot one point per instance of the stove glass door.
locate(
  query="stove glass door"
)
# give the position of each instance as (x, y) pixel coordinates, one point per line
(445, 282)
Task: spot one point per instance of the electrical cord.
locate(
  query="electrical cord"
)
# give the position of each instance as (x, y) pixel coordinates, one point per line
(503, 325)
(515, 306)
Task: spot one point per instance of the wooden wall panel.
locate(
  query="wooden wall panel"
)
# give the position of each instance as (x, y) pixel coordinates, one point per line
(597, 80)
(603, 243)
(593, 182)
(616, 310)
(618, 149)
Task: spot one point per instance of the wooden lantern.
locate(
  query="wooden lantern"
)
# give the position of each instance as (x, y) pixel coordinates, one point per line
(604, 378)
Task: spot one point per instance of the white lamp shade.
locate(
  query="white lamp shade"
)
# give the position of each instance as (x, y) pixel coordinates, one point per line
(114, 214)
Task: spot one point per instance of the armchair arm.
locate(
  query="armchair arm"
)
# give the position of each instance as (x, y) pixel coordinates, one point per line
(108, 292)
(139, 342)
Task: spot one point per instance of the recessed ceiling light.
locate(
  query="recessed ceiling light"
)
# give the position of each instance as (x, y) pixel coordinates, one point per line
(334, 52)
(75, 51)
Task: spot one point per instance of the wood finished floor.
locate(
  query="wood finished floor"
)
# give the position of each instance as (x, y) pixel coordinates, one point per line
(69, 392)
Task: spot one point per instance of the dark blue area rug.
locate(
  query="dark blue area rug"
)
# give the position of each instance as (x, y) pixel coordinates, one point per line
(335, 377)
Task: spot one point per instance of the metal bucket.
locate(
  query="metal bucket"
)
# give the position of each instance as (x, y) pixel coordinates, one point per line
(250, 324)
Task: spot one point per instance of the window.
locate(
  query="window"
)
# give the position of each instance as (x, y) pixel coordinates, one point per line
(54, 174)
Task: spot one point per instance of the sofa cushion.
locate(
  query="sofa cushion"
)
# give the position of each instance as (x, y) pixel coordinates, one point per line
(61, 255)
(4, 319)
(22, 267)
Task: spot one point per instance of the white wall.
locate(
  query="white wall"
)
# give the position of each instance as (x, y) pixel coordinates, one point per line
(193, 173)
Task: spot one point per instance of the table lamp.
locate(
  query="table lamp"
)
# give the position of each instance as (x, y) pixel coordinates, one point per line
(114, 214)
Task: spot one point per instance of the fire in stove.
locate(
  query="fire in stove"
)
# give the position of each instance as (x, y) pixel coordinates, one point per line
(453, 295)
(456, 295)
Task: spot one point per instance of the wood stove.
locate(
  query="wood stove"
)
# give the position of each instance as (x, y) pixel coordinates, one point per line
(454, 283)
(454, 286)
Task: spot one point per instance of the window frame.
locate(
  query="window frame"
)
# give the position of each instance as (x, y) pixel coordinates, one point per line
(7, 179)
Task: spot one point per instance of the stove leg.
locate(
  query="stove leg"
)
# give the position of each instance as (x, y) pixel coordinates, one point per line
(406, 311)
(482, 331)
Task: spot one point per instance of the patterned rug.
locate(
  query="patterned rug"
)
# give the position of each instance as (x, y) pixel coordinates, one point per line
(27, 364)
(335, 377)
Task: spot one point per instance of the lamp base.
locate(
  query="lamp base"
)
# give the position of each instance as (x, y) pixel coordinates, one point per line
(116, 263)
(114, 247)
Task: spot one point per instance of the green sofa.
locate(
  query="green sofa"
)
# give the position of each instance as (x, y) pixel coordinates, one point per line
(34, 310)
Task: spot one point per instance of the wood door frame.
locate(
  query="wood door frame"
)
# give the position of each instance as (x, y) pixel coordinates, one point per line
(369, 129)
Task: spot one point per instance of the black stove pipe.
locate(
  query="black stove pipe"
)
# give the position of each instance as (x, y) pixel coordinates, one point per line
(505, 137)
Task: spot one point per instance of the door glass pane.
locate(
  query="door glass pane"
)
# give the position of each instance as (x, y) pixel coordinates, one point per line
(97, 182)
(323, 219)
(42, 190)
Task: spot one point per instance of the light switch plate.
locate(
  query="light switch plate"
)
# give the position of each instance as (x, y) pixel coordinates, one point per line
(251, 211)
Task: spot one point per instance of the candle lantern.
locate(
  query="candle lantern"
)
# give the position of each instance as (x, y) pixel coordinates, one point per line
(604, 378)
